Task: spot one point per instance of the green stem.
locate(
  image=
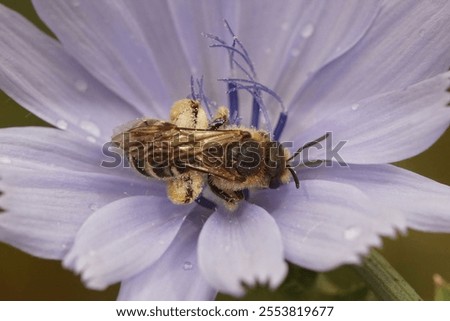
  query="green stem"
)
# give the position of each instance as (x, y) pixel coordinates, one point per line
(384, 280)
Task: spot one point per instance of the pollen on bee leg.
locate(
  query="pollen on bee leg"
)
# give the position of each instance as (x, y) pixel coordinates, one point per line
(221, 118)
(188, 113)
(186, 188)
(222, 112)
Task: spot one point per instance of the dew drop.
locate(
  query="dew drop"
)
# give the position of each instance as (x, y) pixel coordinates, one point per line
(187, 266)
(91, 139)
(307, 30)
(5, 160)
(352, 233)
(62, 124)
(64, 246)
(93, 206)
(81, 85)
(268, 50)
(90, 127)
(295, 52)
(285, 26)
(355, 106)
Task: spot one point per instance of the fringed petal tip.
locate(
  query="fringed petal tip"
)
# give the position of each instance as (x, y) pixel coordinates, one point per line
(242, 247)
(329, 224)
(82, 266)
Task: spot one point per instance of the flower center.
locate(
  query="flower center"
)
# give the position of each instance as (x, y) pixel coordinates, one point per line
(240, 63)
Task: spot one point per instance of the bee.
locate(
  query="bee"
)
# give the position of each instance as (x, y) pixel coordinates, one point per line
(189, 152)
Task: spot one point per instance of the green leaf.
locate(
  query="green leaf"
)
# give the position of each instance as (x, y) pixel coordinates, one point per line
(384, 280)
(302, 284)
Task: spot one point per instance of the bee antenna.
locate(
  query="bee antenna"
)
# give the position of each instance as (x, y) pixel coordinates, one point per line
(294, 176)
(307, 145)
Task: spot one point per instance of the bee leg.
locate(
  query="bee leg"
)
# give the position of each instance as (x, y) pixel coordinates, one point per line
(231, 198)
(186, 188)
(220, 119)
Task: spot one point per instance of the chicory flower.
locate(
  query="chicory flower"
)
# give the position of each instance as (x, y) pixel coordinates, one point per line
(373, 73)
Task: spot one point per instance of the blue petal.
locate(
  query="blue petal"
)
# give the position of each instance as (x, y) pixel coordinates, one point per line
(326, 224)
(408, 43)
(131, 47)
(424, 202)
(51, 182)
(241, 247)
(37, 73)
(124, 238)
(289, 43)
(176, 275)
(384, 128)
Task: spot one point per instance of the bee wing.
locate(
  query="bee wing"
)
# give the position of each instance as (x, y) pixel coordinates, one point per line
(144, 132)
(186, 146)
(210, 153)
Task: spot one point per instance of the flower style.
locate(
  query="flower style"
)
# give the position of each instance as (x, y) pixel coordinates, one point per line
(371, 72)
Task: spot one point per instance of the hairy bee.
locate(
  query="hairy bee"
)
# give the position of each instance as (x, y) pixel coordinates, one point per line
(189, 152)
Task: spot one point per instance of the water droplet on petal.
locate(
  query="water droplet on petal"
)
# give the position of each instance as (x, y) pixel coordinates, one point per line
(90, 127)
(93, 206)
(355, 106)
(5, 160)
(187, 266)
(81, 85)
(307, 30)
(91, 139)
(285, 26)
(62, 124)
(64, 246)
(352, 233)
(268, 50)
(295, 52)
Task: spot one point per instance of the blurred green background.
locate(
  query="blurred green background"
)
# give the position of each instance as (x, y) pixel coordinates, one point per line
(416, 256)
